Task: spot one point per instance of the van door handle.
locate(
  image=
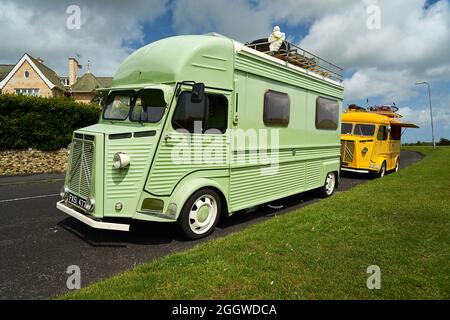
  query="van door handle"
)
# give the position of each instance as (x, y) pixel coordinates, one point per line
(167, 138)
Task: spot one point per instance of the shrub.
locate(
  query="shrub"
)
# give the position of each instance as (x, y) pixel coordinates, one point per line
(42, 123)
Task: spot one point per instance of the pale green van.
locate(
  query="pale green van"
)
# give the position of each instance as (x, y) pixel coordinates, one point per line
(195, 127)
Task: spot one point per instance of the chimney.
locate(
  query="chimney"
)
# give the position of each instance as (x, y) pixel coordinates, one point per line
(40, 60)
(73, 71)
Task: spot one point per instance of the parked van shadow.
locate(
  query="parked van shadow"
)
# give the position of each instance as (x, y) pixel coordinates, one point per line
(154, 233)
(143, 233)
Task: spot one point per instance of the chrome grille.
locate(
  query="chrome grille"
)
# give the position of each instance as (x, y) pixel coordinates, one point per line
(347, 150)
(80, 171)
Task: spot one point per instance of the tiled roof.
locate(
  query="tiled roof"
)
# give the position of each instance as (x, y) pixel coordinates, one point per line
(89, 83)
(106, 82)
(49, 74)
(5, 69)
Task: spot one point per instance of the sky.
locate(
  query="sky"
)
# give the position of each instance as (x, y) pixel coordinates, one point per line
(384, 46)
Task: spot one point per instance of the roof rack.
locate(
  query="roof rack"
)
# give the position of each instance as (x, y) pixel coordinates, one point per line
(299, 57)
(385, 110)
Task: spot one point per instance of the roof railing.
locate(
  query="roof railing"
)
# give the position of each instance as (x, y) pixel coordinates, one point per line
(290, 53)
(385, 110)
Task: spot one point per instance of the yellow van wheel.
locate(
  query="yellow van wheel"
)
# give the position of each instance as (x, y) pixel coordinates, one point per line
(200, 214)
(382, 171)
(397, 165)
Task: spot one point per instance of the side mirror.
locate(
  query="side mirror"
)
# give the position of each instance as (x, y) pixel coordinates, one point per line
(198, 92)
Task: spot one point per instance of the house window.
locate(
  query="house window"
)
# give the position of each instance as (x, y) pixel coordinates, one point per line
(276, 108)
(28, 92)
(27, 74)
(208, 117)
(327, 114)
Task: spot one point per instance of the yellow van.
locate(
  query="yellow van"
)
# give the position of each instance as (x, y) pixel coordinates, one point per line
(370, 139)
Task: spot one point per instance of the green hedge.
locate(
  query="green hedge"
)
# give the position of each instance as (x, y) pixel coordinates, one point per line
(42, 123)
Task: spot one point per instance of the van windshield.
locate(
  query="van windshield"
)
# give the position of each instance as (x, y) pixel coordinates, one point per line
(142, 106)
(347, 128)
(118, 105)
(366, 130)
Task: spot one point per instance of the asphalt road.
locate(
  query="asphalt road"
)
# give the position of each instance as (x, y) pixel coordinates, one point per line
(38, 243)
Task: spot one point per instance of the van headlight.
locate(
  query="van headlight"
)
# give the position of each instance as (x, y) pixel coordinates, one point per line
(90, 203)
(63, 193)
(121, 160)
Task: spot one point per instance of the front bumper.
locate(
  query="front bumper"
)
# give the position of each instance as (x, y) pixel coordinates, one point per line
(354, 170)
(91, 222)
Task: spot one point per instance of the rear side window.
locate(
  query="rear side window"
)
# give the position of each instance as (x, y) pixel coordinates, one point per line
(208, 117)
(327, 114)
(276, 109)
(396, 132)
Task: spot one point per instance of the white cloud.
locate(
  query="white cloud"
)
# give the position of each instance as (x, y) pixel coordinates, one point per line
(393, 85)
(413, 43)
(245, 20)
(300, 11)
(39, 28)
(421, 117)
(237, 19)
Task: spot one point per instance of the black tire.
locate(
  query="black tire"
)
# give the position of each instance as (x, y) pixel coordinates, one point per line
(397, 165)
(186, 225)
(382, 171)
(327, 190)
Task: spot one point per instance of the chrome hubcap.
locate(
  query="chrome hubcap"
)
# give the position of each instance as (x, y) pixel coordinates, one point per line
(203, 214)
(330, 183)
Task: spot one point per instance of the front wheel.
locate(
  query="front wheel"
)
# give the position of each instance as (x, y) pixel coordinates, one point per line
(382, 171)
(330, 185)
(200, 214)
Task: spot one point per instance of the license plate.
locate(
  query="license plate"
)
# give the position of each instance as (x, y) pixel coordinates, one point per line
(76, 200)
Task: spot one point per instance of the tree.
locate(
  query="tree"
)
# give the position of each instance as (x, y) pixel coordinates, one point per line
(444, 142)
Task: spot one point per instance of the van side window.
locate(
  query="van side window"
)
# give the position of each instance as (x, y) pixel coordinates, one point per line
(382, 133)
(276, 109)
(327, 114)
(207, 117)
(396, 132)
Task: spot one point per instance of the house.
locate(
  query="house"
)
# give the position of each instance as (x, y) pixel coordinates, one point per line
(31, 77)
(83, 89)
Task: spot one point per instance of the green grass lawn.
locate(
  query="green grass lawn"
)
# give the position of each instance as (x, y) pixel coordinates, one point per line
(400, 223)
